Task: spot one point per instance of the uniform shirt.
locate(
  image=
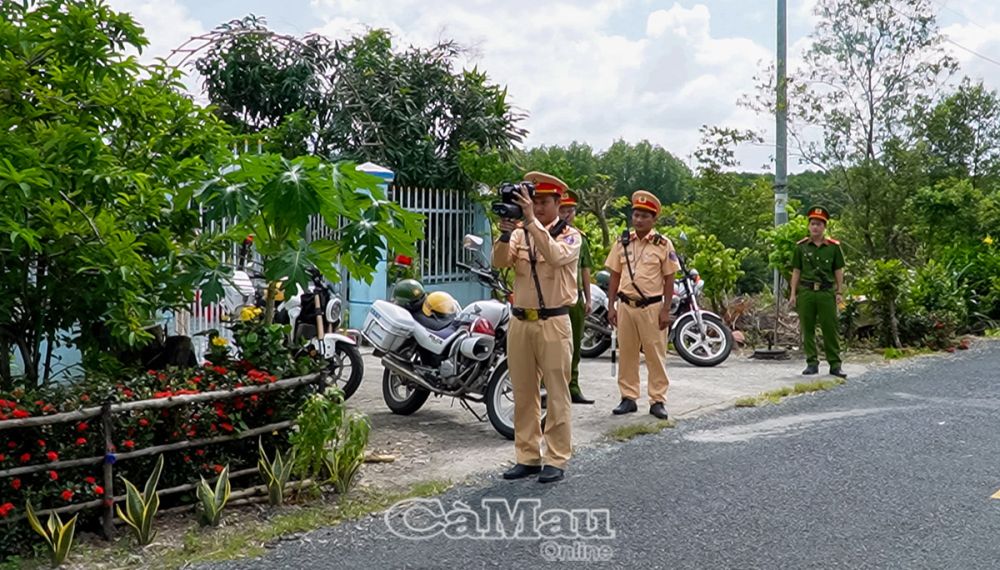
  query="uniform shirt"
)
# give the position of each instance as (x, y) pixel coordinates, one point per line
(557, 259)
(817, 263)
(653, 258)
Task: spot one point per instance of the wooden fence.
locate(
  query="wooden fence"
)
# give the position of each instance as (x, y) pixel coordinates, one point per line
(107, 411)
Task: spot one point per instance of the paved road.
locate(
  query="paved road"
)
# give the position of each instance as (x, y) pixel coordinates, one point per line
(894, 470)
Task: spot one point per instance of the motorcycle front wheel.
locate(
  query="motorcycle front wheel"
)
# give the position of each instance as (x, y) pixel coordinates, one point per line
(402, 398)
(346, 368)
(713, 350)
(500, 402)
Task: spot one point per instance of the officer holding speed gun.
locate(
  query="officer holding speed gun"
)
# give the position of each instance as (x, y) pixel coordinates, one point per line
(642, 264)
(816, 289)
(544, 252)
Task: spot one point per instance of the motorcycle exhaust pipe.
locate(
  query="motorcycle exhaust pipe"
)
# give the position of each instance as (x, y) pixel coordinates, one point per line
(405, 372)
(596, 327)
(477, 347)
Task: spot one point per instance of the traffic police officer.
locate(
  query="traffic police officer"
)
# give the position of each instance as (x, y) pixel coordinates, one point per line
(816, 290)
(544, 253)
(642, 264)
(578, 312)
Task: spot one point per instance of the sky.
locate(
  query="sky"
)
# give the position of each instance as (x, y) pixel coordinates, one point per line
(593, 71)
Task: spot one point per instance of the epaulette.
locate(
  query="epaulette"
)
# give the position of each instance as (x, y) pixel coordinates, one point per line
(659, 239)
(832, 241)
(802, 241)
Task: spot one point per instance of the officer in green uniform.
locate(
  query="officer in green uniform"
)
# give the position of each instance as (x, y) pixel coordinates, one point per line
(578, 312)
(817, 285)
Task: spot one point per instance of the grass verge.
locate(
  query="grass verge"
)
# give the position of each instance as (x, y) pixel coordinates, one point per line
(897, 353)
(632, 431)
(245, 534)
(775, 396)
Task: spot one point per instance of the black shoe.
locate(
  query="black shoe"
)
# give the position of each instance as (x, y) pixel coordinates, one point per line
(626, 407)
(551, 474)
(837, 371)
(658, 410)
(811, 369)
(520, 471)
(580, 399)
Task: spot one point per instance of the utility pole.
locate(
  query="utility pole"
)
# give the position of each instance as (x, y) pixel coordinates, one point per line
(781, 168)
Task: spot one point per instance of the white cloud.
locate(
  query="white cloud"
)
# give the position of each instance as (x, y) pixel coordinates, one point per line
(167, 24)
(580, 79)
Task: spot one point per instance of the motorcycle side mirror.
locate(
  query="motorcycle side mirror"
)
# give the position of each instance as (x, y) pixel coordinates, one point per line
(472, 242)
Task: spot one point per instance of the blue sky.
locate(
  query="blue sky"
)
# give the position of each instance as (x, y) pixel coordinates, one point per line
(589, 70)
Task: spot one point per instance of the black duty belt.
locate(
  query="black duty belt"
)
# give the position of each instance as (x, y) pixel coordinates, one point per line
(815, 285)
(536, 314)
(639, 303)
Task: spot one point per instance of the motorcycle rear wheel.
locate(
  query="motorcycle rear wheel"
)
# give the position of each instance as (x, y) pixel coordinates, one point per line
(594, 343)
(402, 399)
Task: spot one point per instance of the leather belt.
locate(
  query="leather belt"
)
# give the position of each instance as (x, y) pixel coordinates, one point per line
(538, 314)
(815, 285)
(639, 303)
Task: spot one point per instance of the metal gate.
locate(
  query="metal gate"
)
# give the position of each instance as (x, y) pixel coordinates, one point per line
(448, 216)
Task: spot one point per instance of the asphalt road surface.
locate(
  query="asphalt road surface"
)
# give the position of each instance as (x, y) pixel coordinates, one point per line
(896, 469)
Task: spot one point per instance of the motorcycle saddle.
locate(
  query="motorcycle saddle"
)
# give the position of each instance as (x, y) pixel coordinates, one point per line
(432, 323)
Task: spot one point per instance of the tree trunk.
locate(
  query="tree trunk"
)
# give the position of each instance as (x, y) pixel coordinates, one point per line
(602, 219)
(894, 325)
(6, 383)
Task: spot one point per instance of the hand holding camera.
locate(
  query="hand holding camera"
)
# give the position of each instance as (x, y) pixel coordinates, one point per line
(515, 201)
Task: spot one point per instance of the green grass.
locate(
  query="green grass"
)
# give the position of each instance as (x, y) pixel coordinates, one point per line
(897, 353)
(632, 431)
(992, 333)
(242, 538)
(776, 396)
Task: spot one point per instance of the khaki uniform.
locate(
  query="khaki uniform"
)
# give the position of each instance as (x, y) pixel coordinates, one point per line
(541, 346)
(653, 259)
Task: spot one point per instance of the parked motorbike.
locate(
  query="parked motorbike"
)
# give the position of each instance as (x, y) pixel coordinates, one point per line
(429, 344)
(700, 337)
(315, 317)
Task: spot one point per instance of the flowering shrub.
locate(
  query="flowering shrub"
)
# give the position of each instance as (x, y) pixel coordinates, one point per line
(134, 430)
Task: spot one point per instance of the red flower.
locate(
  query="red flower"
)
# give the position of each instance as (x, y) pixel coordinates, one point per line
(90, 480)
(227, 427)
(3, 457)
(53, 475)
(98, 490)
(81, 441)
(48, 409)
(220, 370)
(163, 394)
(20, 414)
(196, 380)
(269, 412)
(41, 443)
(143, 422)
(254, 398)
(11, 444)
(25, 458)
(213, 427)
(52, 456)
(128, 444)
(16, 484)
(218, 468)
(187, 459)
(66, 495)
(82, 426)
(5, 509)
(84, 398)
(199, 452)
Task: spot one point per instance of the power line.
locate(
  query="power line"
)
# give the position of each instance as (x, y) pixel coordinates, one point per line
(973, 52)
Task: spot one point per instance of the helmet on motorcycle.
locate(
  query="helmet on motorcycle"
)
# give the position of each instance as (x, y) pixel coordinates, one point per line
(408, 293)
(440, 304)
(603, 279)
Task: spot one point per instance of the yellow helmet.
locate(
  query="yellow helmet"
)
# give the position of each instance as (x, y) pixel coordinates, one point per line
(440, 304)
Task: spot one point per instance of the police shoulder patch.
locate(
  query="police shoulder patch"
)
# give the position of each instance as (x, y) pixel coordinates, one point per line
(673, 256)
(832, 241)
(802, 241)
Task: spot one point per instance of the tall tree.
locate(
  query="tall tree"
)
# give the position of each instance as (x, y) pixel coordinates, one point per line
(646, 166)
(962, 134)
(360, 100)
(870, 65)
